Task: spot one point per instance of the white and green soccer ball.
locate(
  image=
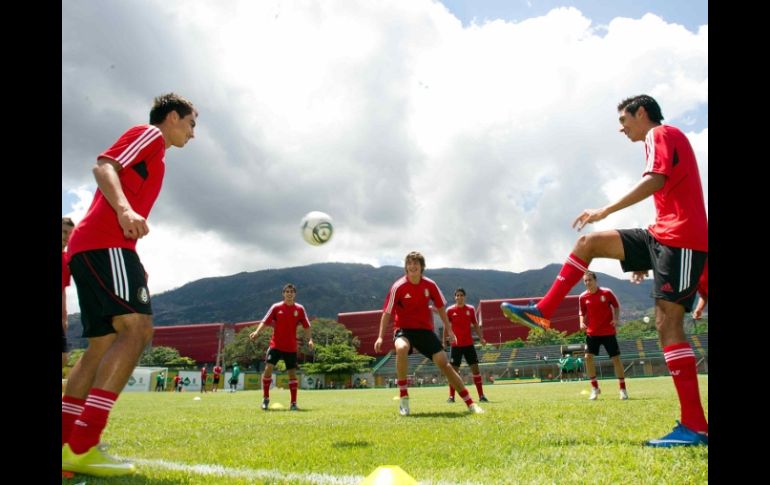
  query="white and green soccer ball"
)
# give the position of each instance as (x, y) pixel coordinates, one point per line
(317, 228)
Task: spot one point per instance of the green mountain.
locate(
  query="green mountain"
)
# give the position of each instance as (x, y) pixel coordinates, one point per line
(330, 288)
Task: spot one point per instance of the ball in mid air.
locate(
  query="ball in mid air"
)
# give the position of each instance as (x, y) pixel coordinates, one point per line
(317, 228)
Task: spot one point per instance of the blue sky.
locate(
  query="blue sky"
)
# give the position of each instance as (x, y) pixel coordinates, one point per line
(689, 13)
(476, 142)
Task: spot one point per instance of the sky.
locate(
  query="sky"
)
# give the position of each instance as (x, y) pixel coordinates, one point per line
(472, 131)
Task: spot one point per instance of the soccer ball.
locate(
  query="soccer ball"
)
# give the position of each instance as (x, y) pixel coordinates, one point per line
(317, 228)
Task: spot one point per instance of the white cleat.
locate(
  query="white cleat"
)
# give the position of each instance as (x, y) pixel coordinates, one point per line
(403, 406)
(623, 394)
(595, 391)
(475, 409)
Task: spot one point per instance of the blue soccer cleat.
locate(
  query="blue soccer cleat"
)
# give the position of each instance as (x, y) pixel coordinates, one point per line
(680, 436)
(528, 315)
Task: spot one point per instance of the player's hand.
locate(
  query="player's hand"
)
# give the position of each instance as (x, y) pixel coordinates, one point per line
(253, 335)
(378, 345)
(134, 225)
(452, 338)
(638, 276)
(696, 314)
(311, 344)
(588, 215)
(583, 326)
(483, 342)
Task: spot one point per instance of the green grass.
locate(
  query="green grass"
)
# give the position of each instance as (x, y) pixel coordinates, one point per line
(532, 433)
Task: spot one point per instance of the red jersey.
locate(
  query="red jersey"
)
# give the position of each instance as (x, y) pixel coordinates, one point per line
(217, 371)
(141, 153)
(284, 320)
(680, 219)
(596, 310)
(703, 282)
(65, 271)
(461, 319)
(410, 303)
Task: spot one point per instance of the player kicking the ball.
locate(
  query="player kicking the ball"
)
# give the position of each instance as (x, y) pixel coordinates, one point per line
(674, 248)
(409, 298)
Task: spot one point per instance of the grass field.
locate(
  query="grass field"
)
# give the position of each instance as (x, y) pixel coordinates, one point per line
(531, 433)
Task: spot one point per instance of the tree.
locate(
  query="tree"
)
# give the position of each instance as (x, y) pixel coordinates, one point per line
(338, 358)
(635, 329)
(243, 350)
(513, 344)
(576, 338)
(327, 331)
(549, 336)
(164, 357)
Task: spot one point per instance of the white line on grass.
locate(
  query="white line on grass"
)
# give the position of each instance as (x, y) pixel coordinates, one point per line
(222, 471)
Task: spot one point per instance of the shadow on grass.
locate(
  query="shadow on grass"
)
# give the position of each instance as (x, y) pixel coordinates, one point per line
(442, 414)
(135, 479)
(351, 444)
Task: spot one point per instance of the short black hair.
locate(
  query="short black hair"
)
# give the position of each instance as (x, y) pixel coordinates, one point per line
(165, 104)
(460, 290)
(651, 106)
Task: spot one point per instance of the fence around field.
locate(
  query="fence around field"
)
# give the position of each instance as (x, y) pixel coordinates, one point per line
(640, 358)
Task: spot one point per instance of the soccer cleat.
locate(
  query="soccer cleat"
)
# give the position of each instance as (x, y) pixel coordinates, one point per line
(475, 409)
(265, 403)
(403, 406)
(680, 436)
(450, 400)
(95, 462)
(293, 407)
(483, 399)
(528, 315)
(595, 391)
(623, 394)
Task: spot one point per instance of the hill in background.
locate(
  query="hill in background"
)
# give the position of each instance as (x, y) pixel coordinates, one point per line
(330, 288)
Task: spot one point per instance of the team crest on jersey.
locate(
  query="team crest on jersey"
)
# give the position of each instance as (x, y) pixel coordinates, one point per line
(427, 293)
(296, 313)
(143, 294)
(602, 299)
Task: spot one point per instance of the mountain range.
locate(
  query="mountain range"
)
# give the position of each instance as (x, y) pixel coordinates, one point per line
(327, 289)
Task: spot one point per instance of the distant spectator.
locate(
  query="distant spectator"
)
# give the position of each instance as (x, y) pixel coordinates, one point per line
(160, 382)
(178, 383)
(204, 376)
(217, 375)
(234, 377)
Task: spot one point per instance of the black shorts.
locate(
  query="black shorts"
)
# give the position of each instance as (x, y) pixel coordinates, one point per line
(288, 358)
(423, 340)
(110, 282)
(216, 380)
(676, 271)
(469, 352)
(610, 343)
(233, 380)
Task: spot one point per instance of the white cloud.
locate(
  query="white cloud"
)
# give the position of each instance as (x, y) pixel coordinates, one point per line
(477, 146)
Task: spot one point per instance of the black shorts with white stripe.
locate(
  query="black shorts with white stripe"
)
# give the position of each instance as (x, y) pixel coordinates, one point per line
(676, 271)
(110, 282)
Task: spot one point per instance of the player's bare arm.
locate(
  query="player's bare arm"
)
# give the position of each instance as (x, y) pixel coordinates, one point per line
(106, 174)
(309, 339)
(383, 323)
(478, 332)
(253, 335)
(650, 183)
(447, 328)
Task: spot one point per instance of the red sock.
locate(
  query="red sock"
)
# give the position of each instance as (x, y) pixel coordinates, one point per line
(402, 389)
(622, 382)
(570, 274)
(681, 362)
(451, 391)
(293, 390)
(594, 383)
(92, 421)
(71, 408)
(477, 381)
(466, 396)
(266, 387)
